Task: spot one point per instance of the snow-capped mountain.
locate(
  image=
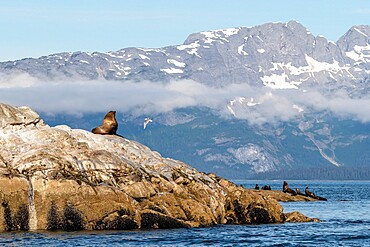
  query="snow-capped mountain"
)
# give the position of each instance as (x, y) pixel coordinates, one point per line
(297, 123)
(277, 55)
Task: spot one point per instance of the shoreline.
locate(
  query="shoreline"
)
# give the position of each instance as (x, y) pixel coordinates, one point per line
(281, 196)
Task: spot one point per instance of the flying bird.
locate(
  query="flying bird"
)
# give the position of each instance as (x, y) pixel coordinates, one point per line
(146, 121)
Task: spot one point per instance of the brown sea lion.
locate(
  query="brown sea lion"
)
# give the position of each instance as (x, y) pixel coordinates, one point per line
(286, 189)
(266, 187)
(309, 193)
(298, 190)
(109, 125)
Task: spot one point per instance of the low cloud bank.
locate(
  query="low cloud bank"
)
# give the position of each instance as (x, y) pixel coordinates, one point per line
(141, 98)
(271, 106)
(99, 96)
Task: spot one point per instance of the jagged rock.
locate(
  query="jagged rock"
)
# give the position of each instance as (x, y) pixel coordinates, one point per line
(152, 219)
(298, 217)
(59, 178)
(11, 116)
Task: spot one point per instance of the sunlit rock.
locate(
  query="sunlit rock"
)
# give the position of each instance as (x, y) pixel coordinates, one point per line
(58, 178)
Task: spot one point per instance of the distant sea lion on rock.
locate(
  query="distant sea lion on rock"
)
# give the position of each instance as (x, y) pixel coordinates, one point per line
(109, 125)
(298, 190)
(266, 187)
(309, 193)
(286, 189)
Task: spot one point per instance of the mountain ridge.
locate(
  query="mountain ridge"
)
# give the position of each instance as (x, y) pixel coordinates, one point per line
(277, 55)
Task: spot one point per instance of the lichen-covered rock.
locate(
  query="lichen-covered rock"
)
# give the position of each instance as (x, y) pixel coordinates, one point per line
(59, 178)
(24, 116)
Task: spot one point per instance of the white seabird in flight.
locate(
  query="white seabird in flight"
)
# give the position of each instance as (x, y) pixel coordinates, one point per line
(146, 121)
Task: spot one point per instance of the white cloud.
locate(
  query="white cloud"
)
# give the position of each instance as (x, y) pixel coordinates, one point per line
(17, 80)
(98, 96)
(284, 105)
(146, 97)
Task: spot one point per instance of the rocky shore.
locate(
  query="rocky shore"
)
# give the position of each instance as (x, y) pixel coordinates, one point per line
(58, 178)
(283, 197)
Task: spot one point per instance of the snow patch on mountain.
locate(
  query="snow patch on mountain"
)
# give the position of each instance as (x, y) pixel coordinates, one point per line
(279, 81)
(219, 35)
(172, 71)
(315, 66)
(143, 57)
(157, 50)
(218, 157)
(191, 49)
(240, 105)
(360, 54)
(241, 50)
(359, 31)
(298, 108)
(176, 63)
(254, 156)
(218, 140)
(284, 75)
(173, 118)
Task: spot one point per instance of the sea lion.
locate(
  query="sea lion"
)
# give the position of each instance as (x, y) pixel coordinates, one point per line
(109, 125)
(286, 189)
(312, 195)
(298, 190)
(256, 187)
(266, 187)
(309, 193)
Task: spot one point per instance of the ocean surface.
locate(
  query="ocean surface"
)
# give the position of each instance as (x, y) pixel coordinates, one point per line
(345, 222)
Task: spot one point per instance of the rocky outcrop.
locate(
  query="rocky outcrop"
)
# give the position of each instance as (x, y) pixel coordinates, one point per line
(298, 217)
(59, 178)
(282, 196)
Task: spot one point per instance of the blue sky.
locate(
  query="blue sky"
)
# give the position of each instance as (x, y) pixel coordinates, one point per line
(40, 27)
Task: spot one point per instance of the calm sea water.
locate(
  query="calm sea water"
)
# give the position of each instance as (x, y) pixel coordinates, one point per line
(345, 222)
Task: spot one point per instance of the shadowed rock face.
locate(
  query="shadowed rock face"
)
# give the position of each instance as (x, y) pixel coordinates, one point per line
(59, 178)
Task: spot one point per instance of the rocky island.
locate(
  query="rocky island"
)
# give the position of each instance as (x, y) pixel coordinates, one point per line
(58, 178)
